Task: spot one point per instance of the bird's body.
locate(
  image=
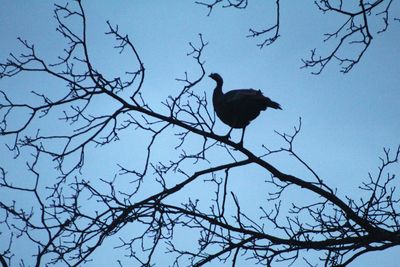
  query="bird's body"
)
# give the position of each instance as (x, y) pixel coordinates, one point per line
(237, 108)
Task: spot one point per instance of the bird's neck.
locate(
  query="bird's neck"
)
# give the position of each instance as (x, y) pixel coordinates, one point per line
(218, 87)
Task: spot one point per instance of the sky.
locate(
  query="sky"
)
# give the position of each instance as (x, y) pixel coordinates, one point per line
(347, 119)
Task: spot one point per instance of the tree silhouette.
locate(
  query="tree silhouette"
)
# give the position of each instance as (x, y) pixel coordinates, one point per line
(350, 39)
(184, 205)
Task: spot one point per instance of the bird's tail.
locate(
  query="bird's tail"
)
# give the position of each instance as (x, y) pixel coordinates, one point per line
(274, 105)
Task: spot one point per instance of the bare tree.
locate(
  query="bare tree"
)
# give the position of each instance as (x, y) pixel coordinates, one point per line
(350, 40)
(146, 210)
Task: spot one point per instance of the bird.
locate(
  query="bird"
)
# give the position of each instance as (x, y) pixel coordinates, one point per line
(237, 108)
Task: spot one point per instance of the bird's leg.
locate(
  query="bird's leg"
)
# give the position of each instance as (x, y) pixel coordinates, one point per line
(241, 139)
(228, 135)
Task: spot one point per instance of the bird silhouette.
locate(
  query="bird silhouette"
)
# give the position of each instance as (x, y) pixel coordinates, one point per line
(237, 108)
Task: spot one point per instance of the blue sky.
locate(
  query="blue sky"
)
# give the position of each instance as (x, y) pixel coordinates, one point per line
(347, 118)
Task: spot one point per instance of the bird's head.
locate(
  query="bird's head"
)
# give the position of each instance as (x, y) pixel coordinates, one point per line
(216, 77)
